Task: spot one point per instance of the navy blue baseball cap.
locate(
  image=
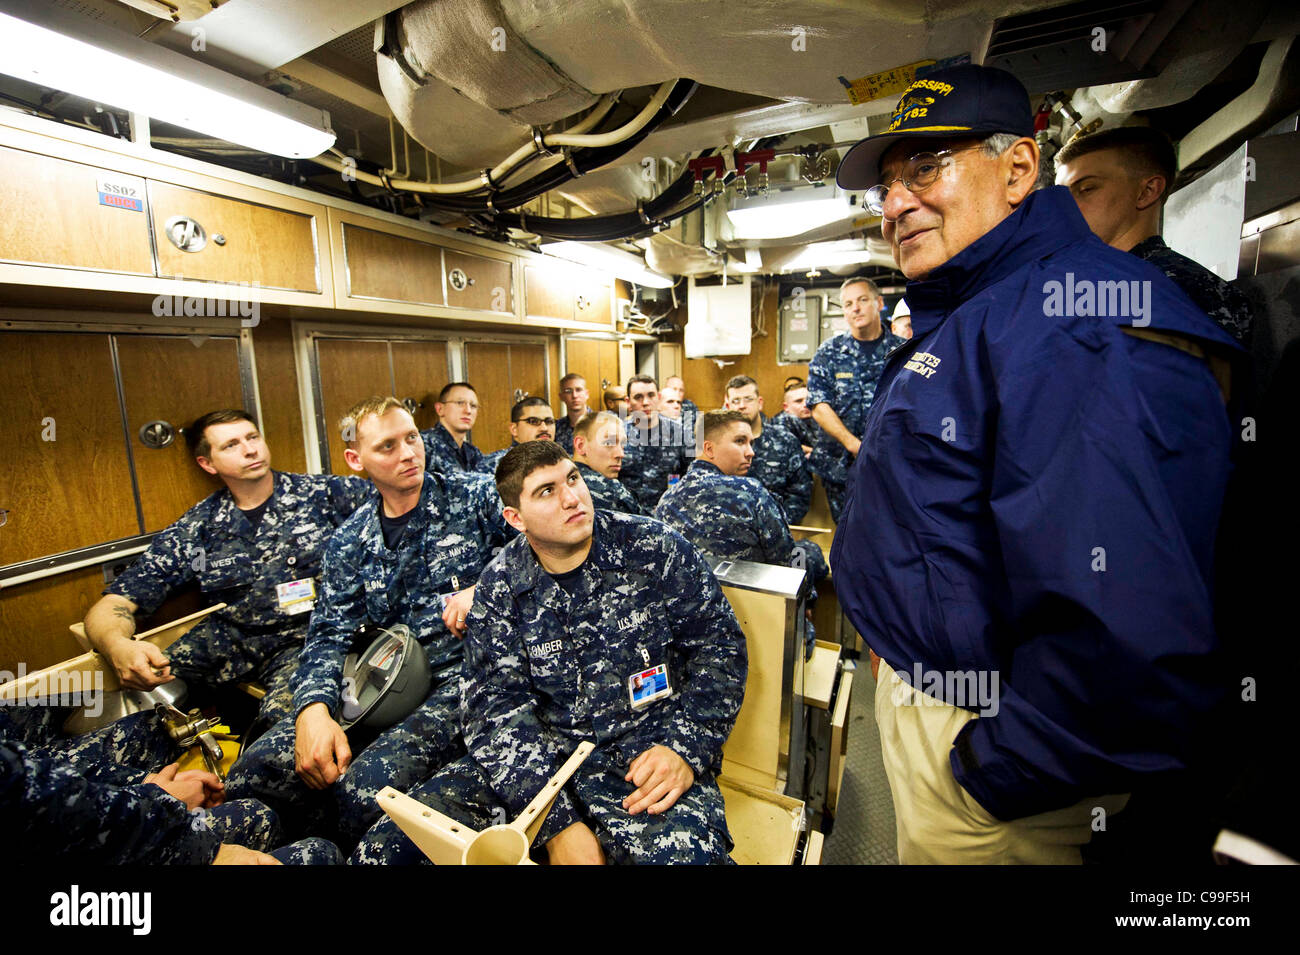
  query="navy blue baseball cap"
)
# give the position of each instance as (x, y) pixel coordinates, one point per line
(965, 100)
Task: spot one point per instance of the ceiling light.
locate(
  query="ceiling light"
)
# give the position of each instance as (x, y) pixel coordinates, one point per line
(788, 213)
(128, 73)
(598, 256)
(829, 255)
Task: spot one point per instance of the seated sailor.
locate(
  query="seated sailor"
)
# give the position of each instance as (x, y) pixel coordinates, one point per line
(600, 626)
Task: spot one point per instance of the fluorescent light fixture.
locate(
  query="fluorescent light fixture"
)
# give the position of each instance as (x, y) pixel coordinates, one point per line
(829, 255)
(128, 73)
(596, 255)
(786, 214)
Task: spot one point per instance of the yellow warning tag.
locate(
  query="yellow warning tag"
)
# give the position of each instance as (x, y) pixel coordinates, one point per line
(889, 83)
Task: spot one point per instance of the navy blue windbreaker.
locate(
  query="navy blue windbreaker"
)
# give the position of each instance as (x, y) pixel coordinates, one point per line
(1038, 495)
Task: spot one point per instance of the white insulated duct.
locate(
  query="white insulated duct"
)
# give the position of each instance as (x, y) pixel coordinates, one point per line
(468, 77)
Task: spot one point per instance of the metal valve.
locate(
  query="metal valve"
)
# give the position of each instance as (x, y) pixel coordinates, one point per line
(193, 730)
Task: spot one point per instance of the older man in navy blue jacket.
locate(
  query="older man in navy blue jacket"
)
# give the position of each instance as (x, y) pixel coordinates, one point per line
(1029, 537)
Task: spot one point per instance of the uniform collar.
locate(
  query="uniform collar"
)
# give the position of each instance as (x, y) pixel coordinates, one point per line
(699, 464)
(431, 490)
(605, 554)
(233, 516)
(1046, 221)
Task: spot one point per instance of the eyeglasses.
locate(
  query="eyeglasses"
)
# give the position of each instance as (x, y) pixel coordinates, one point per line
(919, 173)
(538, 422)
(743, 400)
(571, 391)
(471, 405)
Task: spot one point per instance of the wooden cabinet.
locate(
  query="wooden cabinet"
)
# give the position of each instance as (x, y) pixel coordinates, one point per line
(67, 480)
(175, 379)
(502, 374)
(351, 368)
(241, 242)
(593, 302)
(556, 291)
(391, 268)
(54, 215)
(596, 360)
(478, 282)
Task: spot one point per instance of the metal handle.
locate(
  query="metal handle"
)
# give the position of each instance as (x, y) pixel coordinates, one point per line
(157, 434)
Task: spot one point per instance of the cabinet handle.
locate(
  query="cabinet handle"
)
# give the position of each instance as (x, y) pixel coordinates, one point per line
(157, 434)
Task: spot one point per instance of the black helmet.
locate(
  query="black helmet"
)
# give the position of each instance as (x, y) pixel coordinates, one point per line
(385, 681)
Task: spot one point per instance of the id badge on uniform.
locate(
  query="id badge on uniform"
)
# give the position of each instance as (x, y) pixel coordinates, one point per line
(296, 596)
(649, 685)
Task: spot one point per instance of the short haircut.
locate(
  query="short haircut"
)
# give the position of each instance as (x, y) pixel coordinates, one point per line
(378, 405)
(446, 390)
(521, 461)
(196, 438)
(572, 376)
(641, 379)
(519, 407)
(861, 279)
(714, 422)
(1147, 151)
(740, 381)
(794, 384)
(591, 422)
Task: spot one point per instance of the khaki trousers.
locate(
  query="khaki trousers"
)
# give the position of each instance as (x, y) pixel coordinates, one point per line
(939, 823)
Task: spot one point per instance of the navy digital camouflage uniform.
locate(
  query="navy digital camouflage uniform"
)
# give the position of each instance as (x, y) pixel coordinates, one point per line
(844, 374)
(121, 753)
(1228, 306)
(442, 454)
(651, 455)
(442, 550)
(564, 430)
(51, 808)
(489, 463)
(728, 515)
(804, 429)
(546, 669)
(779, 466)
(607, 492)
(214, 544)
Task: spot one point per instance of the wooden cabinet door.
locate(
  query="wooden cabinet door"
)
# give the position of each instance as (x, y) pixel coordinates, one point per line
(350, 370)
(53, 215)
(488, 370)
(175, 379)
(478, 282)
(419, 373)
(259, 245)
(527, 371)
(67, 480)
(391, 268)
(592, 302)
(582, 357)
(549, 291)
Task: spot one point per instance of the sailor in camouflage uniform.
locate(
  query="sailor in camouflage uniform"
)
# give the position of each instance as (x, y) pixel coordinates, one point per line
(657, 449)
(574, 394)
(447, 447)
(100, 811)
(256, 546)
(531, 419)
(400, 559)
(778, 462)
(842, 379)
(724, 513)
(570, 628)
(796, 418)
(599, 441)
(1120, 178)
